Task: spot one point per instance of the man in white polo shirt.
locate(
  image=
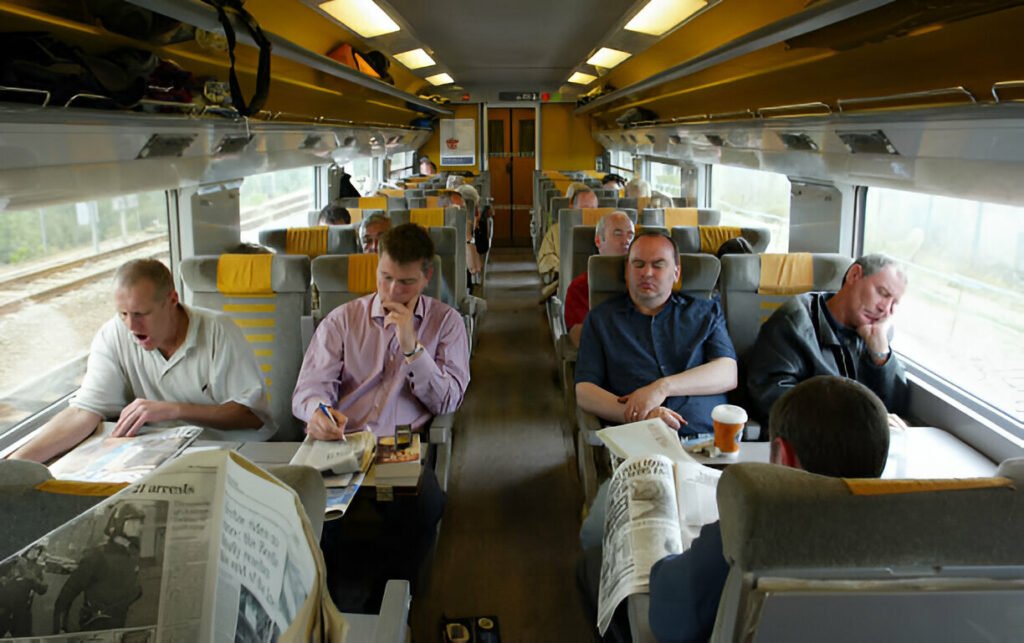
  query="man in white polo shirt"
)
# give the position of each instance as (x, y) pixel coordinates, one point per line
(158, 361)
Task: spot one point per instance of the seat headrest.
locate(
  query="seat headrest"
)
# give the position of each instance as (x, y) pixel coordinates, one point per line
(775, 517)
(246, 274)
(742, 273)
(698, 275)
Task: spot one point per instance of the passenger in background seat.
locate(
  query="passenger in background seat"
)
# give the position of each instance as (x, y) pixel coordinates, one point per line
(333, 214)
(844, 334)
(653, 352)
(477, 243)
(637, 188)
(427, 167)
(580, 197)
(613, 182)
(826, 425)
(612, 235)
(370, 230)
(158, 361)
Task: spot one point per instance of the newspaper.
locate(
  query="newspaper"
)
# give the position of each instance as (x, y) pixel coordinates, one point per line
(103, 458)
(658, 499)
(207, 548)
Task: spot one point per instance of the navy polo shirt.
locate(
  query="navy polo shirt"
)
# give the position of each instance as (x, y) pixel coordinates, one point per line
(621, 350)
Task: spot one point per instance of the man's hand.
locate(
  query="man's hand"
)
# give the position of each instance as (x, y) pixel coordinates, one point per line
(642, 401)
(876, 338)
(321, 428)
(896, 422)
(668, 416)
(141, 412)
(400, 316)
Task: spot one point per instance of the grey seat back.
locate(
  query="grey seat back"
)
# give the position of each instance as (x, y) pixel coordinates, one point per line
(746, 308)
(812, 556)
(452, 252)
(341, 239)
(388, 203)
(688, 238)
(272, 325)
(679, 217)
(698, 274)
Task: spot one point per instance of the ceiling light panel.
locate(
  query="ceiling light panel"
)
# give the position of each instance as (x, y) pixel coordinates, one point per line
(415, 59)
(608, 58)
(361, 16)
(660, 16)
(579, 78)
(440, 79)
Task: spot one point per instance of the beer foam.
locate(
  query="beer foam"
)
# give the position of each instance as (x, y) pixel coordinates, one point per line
(729, 414)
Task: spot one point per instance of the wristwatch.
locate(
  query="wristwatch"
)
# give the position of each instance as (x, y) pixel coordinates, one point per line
(414, 352)
(881, 357)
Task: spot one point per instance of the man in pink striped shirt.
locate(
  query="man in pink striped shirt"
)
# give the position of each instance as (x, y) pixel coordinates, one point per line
(391, 358)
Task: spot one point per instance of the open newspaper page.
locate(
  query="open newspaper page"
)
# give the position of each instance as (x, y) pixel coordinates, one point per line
(103, 458)
(204, 549)
(658, 499)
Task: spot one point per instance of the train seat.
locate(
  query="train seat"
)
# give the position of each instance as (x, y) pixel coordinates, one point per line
(698, 276)
(811, 556)
(751, 294)
(673, 217)
(572, 261)
(388, 203)
(642, 203)
(709, 238)
(269, 308)
(314, 241)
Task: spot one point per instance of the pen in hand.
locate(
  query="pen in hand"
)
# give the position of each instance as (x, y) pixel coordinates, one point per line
(327, 411)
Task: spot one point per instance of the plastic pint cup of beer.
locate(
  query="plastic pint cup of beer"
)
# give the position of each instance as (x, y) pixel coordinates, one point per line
(728, 421)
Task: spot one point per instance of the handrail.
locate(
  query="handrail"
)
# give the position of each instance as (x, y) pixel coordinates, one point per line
(795, 107)
(906, 95)
(818, 16)
(1005, 84)
(205, 17)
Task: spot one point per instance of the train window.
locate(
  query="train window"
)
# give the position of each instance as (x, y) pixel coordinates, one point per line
(402, 165)
(622, 163)
(362, 175)
(666, 179)
(276, 200)
(962, 316)
(754, 198)
(55, 264)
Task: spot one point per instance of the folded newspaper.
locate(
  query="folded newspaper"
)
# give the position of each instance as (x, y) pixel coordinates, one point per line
(208, 548)
(658, 499)
(103, 458)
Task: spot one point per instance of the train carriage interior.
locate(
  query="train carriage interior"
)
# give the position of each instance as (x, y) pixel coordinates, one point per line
(817, 129)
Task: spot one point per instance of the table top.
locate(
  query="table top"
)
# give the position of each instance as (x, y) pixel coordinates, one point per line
(915, 452)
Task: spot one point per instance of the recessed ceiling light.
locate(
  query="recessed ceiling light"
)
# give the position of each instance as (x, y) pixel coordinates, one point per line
(580, 78)
(361, 16)
(440, 79)
(659, 16)
(415, 59)
(608, 58)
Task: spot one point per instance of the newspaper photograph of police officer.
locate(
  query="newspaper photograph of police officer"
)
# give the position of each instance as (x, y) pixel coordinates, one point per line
(102, 572)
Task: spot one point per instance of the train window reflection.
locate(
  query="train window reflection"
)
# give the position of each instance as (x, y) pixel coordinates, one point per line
(55, 265)
(276, 200)
(666, 179)
(963, 314)
(748, 197)
(622, 163)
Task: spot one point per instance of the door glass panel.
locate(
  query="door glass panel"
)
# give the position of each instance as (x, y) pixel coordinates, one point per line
(527, 138)
(495, 137)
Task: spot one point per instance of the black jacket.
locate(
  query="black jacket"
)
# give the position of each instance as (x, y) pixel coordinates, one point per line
(797, 343)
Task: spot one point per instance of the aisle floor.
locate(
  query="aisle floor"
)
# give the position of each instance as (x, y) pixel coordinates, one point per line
(509, 536)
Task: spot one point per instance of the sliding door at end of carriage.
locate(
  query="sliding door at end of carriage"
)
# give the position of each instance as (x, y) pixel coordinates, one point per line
(511, 152)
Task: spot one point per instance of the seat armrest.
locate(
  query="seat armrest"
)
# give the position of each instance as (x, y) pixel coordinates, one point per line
(589, 425)
(392, 622)
(441, 428)
(567, 351)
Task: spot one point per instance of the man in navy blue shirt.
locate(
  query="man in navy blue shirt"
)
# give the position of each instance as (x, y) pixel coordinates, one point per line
(653, 352)
(827, 425)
